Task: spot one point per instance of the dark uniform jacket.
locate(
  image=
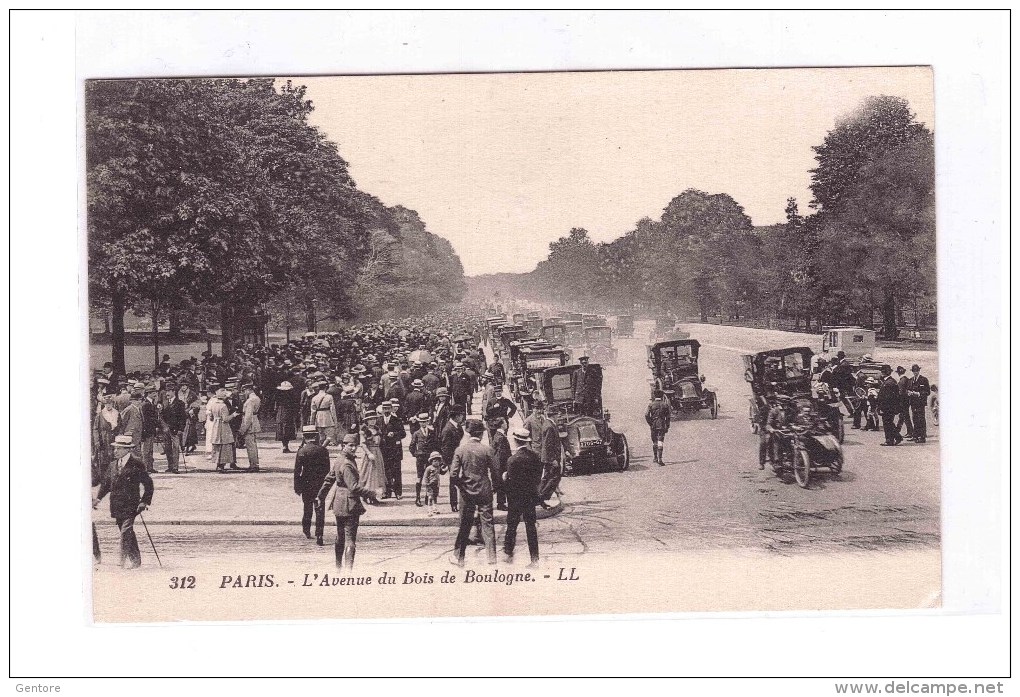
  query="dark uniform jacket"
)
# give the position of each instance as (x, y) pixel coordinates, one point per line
(460, 387)
(311, 465)
(423, 444)
(123, 488)
(657, 415)
(523, 477)
(500, 408)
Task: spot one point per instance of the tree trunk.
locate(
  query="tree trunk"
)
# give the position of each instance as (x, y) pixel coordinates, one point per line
(175, 324)
(227, 330)
(807, 322)
(310, 315)
(117, 333)
(155, 334)
(889, 329)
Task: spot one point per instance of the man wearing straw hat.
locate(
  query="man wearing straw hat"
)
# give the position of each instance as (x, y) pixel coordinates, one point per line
(521, 482)
(124, 476)
(311, 465)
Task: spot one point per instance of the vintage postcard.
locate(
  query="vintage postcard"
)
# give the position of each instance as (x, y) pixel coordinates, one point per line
(453, 345)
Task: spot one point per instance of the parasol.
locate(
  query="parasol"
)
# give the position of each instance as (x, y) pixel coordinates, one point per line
(420, 356)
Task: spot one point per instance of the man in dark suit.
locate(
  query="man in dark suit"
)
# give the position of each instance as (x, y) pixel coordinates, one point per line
(586, 386)
(150, 426)
(391, 433)
(657, 417)
(415, 403)
(311, 465)
(903, 418)
(461, 389)
(123, 478)
(475, 472)
(501, 449)
(449, 440)
(918, 391)
(889, 407)
(440, 409)
(522, 481)
(175, 417)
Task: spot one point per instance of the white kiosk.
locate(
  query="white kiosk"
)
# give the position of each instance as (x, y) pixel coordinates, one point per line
(853, 341)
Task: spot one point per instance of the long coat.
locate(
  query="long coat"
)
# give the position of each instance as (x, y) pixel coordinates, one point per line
(222, 434)
(123, 488)
(131, 422)
(323, 410)
(311, 465)
(286, 414)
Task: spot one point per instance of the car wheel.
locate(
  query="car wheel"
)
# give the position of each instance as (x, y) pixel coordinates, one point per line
(836, 466)
(752, 416)
(714, 406)
(623, 456)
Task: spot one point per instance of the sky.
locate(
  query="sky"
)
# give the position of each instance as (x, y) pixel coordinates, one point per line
(503, 164)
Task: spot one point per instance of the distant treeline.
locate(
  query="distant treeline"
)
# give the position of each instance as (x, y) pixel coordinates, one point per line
(864, 254)
(215, 202)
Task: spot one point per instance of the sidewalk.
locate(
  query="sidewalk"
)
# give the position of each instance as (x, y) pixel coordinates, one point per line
(201, 496)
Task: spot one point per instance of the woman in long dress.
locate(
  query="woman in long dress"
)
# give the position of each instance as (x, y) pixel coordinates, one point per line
(105, 428)
(371, 475)
(222, 434)
(287, 408)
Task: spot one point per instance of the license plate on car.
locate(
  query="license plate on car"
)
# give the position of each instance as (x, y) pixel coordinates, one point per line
(590, 443)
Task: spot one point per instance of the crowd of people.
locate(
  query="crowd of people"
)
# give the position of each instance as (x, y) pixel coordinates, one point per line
(370, 389)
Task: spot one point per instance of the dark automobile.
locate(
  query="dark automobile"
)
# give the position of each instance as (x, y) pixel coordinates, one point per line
(573, 333)
(625, 326)
(530, 361)
(554, 331)
(674, 366)
(587, 439)
(598, 344)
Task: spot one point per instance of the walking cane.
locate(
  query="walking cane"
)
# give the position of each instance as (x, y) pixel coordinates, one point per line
(150, 539)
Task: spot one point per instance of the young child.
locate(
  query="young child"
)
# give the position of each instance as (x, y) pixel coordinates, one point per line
(430, 482)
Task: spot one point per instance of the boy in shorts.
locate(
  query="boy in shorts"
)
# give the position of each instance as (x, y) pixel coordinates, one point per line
(430, 482)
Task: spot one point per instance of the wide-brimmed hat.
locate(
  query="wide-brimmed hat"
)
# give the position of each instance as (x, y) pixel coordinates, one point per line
(423, 418)
(417, 383)
(442, 392)
(435, 456)
(285, 386)
(307, 431)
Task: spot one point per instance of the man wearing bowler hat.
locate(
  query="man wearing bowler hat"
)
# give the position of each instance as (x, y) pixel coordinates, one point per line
(123, 479)
(391, 433)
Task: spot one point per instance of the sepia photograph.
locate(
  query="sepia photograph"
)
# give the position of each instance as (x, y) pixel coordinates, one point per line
(524, 348)
(486, 344)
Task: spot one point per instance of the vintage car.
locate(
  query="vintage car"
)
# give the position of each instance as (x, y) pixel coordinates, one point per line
(510, 333)
(598, 344)
(554, 331)
(588, 441)
(674, 366)
(854, 342)
(625, 325)
(531, 361)
(666, 330)
(519, 318)
(534, 326)
(555, 319)
(573, 334)
(783, 377)
(588, 320)
(572, 316)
